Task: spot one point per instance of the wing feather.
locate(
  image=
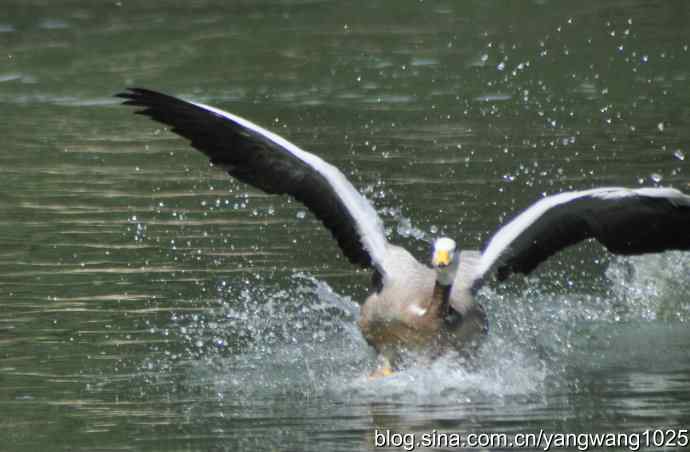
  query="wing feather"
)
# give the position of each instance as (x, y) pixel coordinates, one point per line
(626, 221)
(269, 162)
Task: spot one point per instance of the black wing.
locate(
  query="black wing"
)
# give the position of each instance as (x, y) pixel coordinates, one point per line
(625, 221)
(269, 162)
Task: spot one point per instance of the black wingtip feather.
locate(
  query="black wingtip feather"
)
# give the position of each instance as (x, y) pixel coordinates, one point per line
(143, 97)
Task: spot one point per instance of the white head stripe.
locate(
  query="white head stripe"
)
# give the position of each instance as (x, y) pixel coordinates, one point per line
(444, 244)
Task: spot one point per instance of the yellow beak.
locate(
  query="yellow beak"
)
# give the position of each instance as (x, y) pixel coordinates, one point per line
(441, 258)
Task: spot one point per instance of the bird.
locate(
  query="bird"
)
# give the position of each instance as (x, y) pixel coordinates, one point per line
(413, 307)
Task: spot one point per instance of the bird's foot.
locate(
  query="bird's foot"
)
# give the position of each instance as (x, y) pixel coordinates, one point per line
(380, 372)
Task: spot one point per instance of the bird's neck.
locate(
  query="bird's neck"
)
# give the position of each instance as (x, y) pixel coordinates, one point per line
(441, 296)
(441, 299)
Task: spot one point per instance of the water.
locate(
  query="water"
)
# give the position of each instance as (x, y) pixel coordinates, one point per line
(148, 302)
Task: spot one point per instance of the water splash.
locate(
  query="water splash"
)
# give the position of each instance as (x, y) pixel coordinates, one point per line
(304, 342)
(652, 286)
(501, 370)
(259, 343)
(404, 226)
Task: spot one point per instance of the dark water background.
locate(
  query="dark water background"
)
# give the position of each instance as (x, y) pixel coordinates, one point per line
(148, 302)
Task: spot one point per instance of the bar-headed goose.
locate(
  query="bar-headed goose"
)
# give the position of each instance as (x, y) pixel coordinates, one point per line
(413, 306)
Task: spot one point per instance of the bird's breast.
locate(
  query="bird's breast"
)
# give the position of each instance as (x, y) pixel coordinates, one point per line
(410, 322)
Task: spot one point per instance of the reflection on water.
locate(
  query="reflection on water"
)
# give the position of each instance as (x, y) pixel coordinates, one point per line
(148, 302)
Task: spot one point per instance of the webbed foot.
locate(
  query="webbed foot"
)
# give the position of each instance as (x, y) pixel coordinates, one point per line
(384, 369)
(380, 372)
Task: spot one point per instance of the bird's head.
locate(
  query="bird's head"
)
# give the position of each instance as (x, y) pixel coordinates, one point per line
(445, 260)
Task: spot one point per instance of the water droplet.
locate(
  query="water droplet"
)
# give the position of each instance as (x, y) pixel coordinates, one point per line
(301, 214)
(680, 155)
(501, 66)
(656, 177)
(660, 126)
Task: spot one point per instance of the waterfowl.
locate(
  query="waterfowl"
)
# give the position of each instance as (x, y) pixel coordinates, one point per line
(413, 306)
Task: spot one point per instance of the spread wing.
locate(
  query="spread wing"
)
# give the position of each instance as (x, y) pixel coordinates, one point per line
(625, 221)
(269, 162)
